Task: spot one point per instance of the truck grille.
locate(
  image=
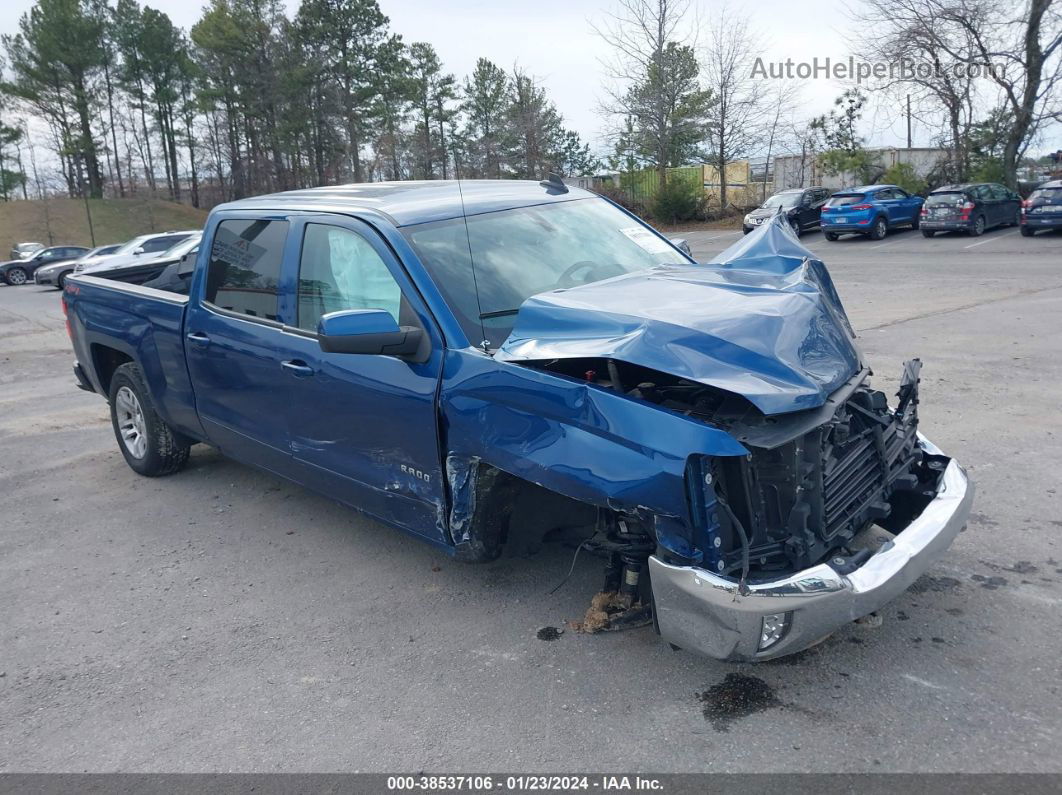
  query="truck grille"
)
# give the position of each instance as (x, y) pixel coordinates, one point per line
(801, 499)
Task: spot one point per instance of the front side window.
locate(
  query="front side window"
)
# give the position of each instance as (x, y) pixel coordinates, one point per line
(244, 268)
(340, 270)
(488, 268)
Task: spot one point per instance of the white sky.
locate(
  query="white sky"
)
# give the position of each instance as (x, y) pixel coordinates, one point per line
(553, 40)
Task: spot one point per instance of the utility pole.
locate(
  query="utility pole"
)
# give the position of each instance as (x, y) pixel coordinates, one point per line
(908, 121)
(84, 195)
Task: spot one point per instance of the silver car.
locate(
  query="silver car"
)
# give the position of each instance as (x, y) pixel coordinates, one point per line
(25, 250)
(131, 251)
(56, 274)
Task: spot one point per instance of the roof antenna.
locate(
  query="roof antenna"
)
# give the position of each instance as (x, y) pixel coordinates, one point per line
(484, 343)
(554, 184)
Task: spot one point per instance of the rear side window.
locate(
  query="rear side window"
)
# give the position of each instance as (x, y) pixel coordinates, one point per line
(844, 199)
(244, 268)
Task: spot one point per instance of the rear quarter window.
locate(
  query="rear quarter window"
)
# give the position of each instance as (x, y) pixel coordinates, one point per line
(244, 268)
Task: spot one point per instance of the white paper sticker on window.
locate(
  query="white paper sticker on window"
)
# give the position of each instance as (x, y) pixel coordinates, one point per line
(647, 240)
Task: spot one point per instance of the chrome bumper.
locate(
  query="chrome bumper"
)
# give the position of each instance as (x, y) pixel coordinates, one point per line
(700, 611)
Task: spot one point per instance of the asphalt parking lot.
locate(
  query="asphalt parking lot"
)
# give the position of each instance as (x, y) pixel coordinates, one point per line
(224, 620)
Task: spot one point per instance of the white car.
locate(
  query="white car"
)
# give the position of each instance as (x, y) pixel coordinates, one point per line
(134, 251)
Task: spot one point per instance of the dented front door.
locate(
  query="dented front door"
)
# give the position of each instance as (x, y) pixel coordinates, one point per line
(361, 427)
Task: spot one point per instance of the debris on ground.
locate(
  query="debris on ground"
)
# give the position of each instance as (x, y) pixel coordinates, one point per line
(549, 633)
(596, 618)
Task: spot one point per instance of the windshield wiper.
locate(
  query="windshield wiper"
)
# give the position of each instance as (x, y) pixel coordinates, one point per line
(498, 313)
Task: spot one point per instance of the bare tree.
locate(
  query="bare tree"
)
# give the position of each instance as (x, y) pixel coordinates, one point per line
(736, 120)
(942, 92)
(781, 102)
(1017, 46)
(654, 82)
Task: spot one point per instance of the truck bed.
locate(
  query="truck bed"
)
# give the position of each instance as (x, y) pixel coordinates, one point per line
(113, 319)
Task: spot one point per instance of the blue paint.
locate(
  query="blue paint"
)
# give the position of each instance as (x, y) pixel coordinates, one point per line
(404, 440)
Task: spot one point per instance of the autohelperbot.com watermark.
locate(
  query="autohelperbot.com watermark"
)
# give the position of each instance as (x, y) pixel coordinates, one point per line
(852, 68)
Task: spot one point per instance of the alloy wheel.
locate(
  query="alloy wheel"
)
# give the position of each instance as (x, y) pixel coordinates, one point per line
(131, 422)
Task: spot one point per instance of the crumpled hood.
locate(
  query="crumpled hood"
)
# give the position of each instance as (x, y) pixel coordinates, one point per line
(763, 321)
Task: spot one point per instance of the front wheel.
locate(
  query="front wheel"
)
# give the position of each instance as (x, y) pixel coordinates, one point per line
(15, 276)
(881, 228)
(830, 235)
(928, 232)
(978, 228)
(150, 446)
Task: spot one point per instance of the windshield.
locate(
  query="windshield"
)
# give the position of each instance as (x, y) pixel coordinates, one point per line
(183, 247)
(129, 245)
(528, 250)
(783, 200)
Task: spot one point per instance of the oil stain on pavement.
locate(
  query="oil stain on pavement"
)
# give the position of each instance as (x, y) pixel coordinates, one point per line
(736, 697)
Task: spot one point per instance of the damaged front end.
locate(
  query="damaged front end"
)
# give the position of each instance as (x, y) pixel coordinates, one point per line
(724, 414)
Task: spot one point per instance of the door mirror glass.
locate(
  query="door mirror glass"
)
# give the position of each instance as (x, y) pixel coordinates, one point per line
(138, 251)
(367, 331)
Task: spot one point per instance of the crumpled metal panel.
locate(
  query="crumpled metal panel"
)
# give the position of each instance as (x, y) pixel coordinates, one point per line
(763, 321)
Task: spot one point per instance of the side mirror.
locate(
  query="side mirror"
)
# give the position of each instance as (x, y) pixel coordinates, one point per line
(371, 332)
(138, 251)
(187, 263)
(682, 245)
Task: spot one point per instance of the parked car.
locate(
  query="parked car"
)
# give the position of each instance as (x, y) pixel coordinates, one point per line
(175, 250)
(25, 250)
(129, 251)
(20, 271)
(970, 208)
(440, 356)
(1043, 209)
(802, 208)
(56, 274)
(871, 211)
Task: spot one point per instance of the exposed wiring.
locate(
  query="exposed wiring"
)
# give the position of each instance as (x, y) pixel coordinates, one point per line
(743, 587)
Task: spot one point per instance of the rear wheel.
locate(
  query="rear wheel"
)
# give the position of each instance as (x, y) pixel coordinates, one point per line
(881, 228)
(928, 232)
(830, 235)
(149, 445)
(1016, 221)
(794, 224)
(978, 228)
(16, 276)
(1027, 232)
(917, 220)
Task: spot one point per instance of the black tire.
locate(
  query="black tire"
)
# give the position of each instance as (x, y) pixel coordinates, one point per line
(928, 232)
(978, 228)
(1016, 220)
(16, 277)
(162, 450)
(1027, 232)
(917, 220)
(881, 228)
(795, 226)
(830, 235)
(60, 281)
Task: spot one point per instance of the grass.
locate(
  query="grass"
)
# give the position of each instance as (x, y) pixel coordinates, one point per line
(64, 221)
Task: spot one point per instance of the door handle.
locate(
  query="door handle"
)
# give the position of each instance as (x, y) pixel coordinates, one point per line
(297, 368)
(198, 338)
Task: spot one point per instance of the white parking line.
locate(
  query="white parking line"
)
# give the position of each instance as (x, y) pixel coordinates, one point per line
(997, 237)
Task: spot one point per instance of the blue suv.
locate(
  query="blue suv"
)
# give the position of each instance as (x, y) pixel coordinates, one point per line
(871, 211)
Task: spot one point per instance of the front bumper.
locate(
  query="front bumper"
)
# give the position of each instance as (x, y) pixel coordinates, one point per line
(703, 612)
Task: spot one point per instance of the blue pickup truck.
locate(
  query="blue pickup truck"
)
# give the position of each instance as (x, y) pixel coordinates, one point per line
(453, 357)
